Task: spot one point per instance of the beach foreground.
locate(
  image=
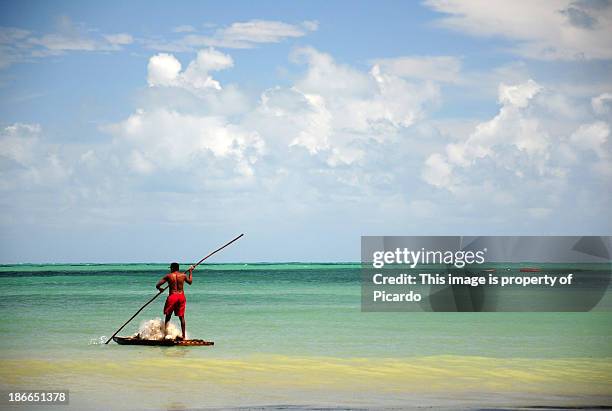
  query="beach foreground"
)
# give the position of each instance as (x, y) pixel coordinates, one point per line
(173, 380)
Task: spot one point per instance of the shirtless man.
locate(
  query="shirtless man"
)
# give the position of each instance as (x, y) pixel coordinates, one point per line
(176, 298)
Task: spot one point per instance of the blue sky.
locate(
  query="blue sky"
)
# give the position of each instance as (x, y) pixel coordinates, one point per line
(145, 131)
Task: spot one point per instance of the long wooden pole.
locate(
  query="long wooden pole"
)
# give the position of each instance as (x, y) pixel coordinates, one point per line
(164, 289)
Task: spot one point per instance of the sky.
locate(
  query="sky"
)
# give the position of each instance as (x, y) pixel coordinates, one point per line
(156, 131)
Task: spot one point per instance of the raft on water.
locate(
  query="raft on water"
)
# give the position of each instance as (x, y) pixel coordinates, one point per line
(163, 343)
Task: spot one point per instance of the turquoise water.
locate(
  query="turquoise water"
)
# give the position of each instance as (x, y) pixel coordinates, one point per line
(288, 316)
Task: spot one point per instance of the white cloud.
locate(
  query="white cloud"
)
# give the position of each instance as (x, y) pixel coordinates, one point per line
(558, 29)
(324, 149)
(60, 42)
(438, 172)
(325, 76)
(210, 60)
(9, 35)
(26, 161)
(437, 68)
(511, 127)
(593, 136)
(10, 53)
(185, 28)
(261, 31)
(310, 25)
(307, 122)
(165, 70)
(74, 37)
(119, 38)
(602, 104)
(511, 139)
(168, 140)
(18, 142)
(518, 95)
(140, 163)
(18, 45)
(334, 111)
(401, 103)
(319, 130)
(238, 35)
(522, 144)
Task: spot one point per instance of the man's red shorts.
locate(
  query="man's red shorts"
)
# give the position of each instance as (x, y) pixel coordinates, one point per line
(175, 302)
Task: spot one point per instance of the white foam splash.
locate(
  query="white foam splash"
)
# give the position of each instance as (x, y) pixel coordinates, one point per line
(154, 330)
(98, 341)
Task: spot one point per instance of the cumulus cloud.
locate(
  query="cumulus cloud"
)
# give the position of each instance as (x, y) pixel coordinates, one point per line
(169, 140)
(560, 29)
(335, 143)
(335, 133)
(602, 104)
(518, 95)
(304, 117)
(438, 172)
(165, 70)
(518, 143)
(444, 69)
(320, 130)
(594, 137)
(18, 142)
(342, 109)
(25, 161)
(509, 138)
(196, 138)
(326, 76)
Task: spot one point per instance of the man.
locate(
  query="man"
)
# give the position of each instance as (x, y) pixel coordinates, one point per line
(176, 298)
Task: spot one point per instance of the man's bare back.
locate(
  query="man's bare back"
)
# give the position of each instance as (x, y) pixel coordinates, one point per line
(176, 297)
(175, 281)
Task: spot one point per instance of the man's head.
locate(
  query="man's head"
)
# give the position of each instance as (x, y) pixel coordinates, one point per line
(174, 267)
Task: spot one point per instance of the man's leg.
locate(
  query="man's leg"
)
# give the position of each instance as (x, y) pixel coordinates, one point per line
(182, 318)
(168, 317)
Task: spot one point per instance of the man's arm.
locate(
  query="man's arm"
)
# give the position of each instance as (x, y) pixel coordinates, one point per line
(189, 278)
(162, 282)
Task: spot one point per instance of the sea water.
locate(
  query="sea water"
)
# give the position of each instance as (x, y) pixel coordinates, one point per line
(290, 334)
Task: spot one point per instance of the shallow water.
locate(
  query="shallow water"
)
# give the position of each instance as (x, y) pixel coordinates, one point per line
(287, 334)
